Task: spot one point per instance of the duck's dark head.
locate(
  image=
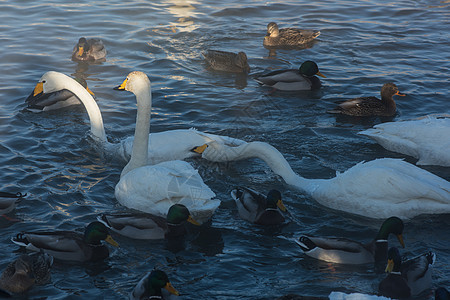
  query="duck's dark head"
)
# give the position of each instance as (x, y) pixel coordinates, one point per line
(390, 89)
(82, 46)
(392, 225)
(309, 69)
(96, 232)
(178, 214)
(394, 260)
(272, 29)
(274, 200)
(158, 280)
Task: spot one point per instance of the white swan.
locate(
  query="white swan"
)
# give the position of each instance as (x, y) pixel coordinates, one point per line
(379, 188)
(154, 189)
(427, 138)
(163, 146)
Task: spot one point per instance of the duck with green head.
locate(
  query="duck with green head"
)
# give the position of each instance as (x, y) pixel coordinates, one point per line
(151, 285)
(257, 208)
(69, 245)
(302, 79)
(138, 225)
(407, 278)
(346, 251)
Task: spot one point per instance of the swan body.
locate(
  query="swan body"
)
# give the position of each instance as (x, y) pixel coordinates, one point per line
(379, 188)
(408, 278)
(427, 138)
(163, 146)
(8, 201)
(257, 208)
(288, 37)
(151, 287)
(69, 245)
(154, 189)
(302, 79)
(26, 271)
(148, 226)
(227, 61)
(346, 251)
(89, 50)
(371, 106)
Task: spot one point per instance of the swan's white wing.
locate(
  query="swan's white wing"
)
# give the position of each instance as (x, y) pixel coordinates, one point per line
(385, 187)
(176, 144)
(427, 139)
(153, 189)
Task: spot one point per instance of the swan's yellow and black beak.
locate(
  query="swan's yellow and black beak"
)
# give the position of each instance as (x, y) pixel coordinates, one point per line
(122, 86)
(320, 74)
(38, 89)
(199, 149)
(80, 50)
(171, 289)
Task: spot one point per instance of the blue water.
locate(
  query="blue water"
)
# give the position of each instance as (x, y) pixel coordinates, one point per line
(362, 45)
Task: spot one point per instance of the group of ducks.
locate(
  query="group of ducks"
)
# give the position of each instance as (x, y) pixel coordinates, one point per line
(170, 192)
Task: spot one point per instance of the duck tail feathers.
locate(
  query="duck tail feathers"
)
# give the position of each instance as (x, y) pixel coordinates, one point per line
(20, 240)
(431, 257)
(104, 220)
(305, 243)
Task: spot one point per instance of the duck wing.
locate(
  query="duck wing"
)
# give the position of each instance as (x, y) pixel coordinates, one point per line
(250, 203)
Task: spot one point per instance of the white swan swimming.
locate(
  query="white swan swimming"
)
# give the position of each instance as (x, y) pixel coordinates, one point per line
(426, 138)
(379, 188)
(154, 189)
(163, 146)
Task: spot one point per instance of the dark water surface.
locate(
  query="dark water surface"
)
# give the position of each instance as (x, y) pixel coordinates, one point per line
(362, 45)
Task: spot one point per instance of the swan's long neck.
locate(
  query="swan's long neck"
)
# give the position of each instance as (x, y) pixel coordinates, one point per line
(139, 154)
(273, 158)
(95, 116)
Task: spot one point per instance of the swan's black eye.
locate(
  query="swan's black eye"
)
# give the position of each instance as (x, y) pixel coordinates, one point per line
(43, 81)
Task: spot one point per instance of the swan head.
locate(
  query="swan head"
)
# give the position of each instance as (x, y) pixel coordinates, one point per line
(136, 82)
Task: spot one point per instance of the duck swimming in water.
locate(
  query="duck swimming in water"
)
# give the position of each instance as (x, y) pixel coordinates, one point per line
(227, 61)
(89, 50)
(288, 37)
(301, 79)
(371, 106)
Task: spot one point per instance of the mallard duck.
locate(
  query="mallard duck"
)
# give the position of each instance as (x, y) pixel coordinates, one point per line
(227, 61)
(69, 245)
(345, 251)
(257, 208)
(379, 188)
(288, 37)
(148, 226)
(441, 293)
(163, 146)
(89, 50)
(408, 278)
(8, 201)
(155, 188)
(302, 79)
(27, 270)
(54, 97)
(149, 287)
(426, 138)
(371, 106)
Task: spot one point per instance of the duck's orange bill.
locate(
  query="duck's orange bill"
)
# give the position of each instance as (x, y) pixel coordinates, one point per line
(171, 289)
(80, 51)
(192, 221)
(89, 91)
(320, 74)
(398, 94)
(390, 266)
(400, 239)
(39, 88)
(281, 206)
(111, 241)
